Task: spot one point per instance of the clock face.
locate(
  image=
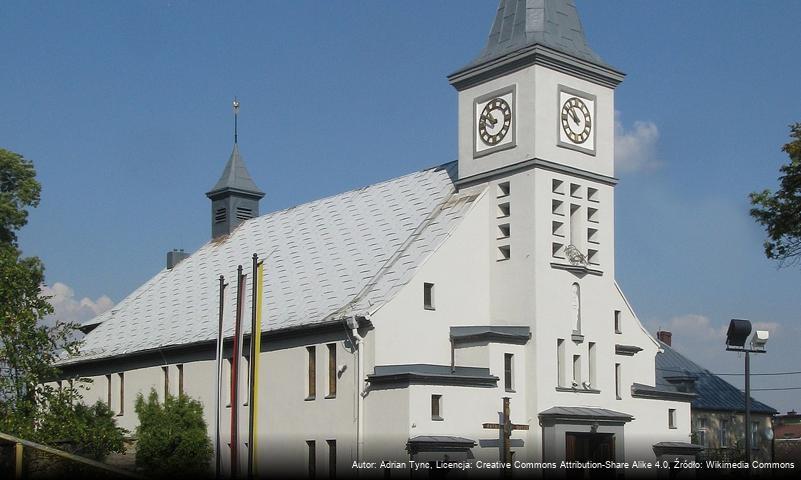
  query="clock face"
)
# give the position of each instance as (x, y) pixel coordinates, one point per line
(576, 120)
(494, 122)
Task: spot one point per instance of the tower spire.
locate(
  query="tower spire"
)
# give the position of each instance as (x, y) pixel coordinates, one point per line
(236, 117)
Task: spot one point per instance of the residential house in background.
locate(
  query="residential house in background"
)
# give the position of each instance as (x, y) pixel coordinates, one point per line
(787, 437)
(718, 407)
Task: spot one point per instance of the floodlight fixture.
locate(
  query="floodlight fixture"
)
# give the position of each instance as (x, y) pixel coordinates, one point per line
(759, 339)
(738, 333)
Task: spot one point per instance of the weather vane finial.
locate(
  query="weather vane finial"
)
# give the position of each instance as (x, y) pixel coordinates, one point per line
(236, 115)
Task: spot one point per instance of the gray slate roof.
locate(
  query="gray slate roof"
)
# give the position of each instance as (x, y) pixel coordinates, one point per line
(712, 392)
(551, 23)
(586, 412)
(346, 254)
(236, 177)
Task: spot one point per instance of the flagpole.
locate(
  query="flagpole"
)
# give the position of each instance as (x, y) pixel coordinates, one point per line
(236, 354)
(219, 356)
(255, 351)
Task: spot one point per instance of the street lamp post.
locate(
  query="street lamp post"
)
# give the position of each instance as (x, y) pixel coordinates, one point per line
(736, 336)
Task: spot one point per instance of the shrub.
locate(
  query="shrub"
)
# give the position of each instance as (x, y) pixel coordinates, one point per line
(172, 436)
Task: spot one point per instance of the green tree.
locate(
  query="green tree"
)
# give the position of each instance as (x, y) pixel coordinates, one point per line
(171, 438)
(780, 212)
(31, 405)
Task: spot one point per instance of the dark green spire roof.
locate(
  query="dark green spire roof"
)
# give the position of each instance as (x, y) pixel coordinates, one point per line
(235, 178)
(551, 23)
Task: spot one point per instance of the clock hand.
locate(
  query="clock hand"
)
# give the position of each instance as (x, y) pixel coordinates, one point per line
(489, 118)
(573, 115)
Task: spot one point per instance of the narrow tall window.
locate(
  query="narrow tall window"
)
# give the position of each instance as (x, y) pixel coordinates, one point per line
(576, 370)
(617, 381)
(108, 391)
(672, 418)
(436, 407)
(508, 371)
(560, 362)
(180, 379)
(591, 362)
(428, 296)
(121, 378)
(165, 371)
(754, 434)
(723, 434)
(618, 327)
(312, 373)
(332, 370)
(311, 455)
(332, 458)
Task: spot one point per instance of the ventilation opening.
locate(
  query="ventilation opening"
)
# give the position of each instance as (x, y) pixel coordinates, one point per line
(219, 215)
(503, 210)
(575, 190)
(243, 213)
(592, 194)
(503, 189)
(557, 186)
(557, 207)
(558, 228)
(503, 231)
(504, 253)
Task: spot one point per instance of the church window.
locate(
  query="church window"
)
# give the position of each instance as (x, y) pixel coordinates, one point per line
(219, 215)
(560, 362)
(592, 214)
(575, 304)
(575, 190)
(503, 231)
(508, 372)
(576, 370)
(311, 391)
(108, 390)
(672, 418)
(504, 252)
(121, 379)
(591, 363)
(576, 225)
(503, 189)
(503, 210)
(332, 370)
(165, 372)
(311, 455)
(332, 458)
(428, 296)
(558, 207)
(436, 407)
(558, 228)
(618, 326)
(617, 382)
(592, 194)
(558, 186)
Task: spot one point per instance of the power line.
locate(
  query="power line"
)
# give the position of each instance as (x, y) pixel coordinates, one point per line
(728, 374)
(769, 389)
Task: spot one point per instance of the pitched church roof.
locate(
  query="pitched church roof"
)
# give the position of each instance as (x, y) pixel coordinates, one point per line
(236, 177)
(712, 392)
(523, 23)
(345, 254)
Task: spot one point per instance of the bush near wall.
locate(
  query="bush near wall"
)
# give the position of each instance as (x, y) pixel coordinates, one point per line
(171, 437)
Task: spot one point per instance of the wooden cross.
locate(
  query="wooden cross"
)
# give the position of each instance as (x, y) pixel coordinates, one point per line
(506, 428)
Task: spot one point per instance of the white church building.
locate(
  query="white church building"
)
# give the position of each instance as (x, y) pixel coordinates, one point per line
(398, 316)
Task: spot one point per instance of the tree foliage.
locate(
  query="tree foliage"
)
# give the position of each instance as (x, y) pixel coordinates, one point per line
(31, 405)
(171, 436)
(780, 212)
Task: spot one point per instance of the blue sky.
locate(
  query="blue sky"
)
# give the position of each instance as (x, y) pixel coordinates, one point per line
(125, 109)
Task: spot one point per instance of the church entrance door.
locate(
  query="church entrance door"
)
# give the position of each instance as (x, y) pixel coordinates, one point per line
(584, 447)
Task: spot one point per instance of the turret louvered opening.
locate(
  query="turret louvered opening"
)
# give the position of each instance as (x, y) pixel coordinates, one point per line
(219, 215)
(243, 213)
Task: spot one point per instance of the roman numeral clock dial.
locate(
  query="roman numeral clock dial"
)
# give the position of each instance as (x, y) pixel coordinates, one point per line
(494, 127)
(576, 122)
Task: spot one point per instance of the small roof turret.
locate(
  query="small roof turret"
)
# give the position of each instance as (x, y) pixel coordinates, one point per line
(235, 178)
